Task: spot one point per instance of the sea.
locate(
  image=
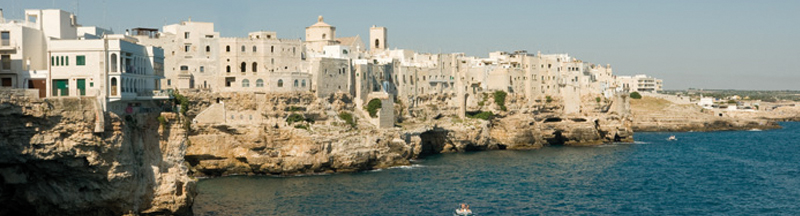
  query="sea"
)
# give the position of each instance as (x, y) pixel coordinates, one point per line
(700, 173)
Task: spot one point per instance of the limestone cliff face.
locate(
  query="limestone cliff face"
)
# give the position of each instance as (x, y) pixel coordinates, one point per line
(53, 163)
(654, 114)
(269, 144)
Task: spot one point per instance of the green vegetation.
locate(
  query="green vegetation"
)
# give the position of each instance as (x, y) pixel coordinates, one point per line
(348, 118)
(500, 99)
(548, 99)
(485, 98)
(373, 106)
(301, 126)
(295, 109)
(731, 101)
(162, 120)
(182, 100)
(294, 117)
(485, 115)
(636, 95)
(597, 99)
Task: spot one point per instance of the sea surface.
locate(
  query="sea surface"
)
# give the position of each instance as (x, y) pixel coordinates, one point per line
(708, 173)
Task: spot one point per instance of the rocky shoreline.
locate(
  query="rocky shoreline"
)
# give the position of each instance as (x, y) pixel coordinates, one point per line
(53, 161)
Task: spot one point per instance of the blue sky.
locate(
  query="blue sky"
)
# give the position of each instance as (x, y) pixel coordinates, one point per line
(701, 44)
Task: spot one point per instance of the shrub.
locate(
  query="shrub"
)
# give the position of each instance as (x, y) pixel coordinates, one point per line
(485, 115)
(636, 95)
(373, 106)
(182, 100)
(301, 126)
(294, 117)
(294, 109)
(500, 99)
(162, 120)
(597, 99)
(548, 99)
(348, 118)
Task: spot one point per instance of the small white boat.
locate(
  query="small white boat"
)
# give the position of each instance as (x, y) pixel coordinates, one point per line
(672, 138)
(463, 212)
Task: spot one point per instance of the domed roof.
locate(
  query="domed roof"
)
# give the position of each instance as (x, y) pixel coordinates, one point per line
(320, 23)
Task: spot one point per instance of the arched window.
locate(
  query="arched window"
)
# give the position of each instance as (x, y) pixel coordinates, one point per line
(245, 83)
(272, 49)
(324, 36)
(228, 68)
(295, 83)
(113, 86)
(208, 48)
(304, 83)
(280, 83)
(227, 48)
(259, 83)
(377, 43)
(244, 67)
(243, 49)
(202, 69)
(113, 62)
(254, 49)
(255, 65)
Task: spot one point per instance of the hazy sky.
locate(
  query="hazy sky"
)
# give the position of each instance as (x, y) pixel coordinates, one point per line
(700, 44)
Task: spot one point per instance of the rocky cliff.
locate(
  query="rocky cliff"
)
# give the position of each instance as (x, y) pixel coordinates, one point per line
(654, 114)
(262, 134)
(53, 161)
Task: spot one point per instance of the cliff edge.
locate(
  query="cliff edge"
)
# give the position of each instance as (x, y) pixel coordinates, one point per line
(53, 162)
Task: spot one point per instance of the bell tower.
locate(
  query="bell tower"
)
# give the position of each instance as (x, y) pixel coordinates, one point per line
(377, 39)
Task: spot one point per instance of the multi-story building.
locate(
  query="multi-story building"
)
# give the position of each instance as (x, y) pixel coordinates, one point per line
(639, 83)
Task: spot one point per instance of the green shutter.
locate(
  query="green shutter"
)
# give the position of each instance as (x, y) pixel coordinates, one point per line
(67, 61)
(52, 61)
(80, 60)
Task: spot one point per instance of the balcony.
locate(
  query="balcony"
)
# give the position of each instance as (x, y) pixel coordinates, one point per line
(162, 94)
(7, 46)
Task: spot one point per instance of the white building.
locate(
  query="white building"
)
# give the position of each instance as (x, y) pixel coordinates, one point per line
(639, 83)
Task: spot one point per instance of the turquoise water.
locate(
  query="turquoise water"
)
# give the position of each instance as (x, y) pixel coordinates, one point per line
(719, 173)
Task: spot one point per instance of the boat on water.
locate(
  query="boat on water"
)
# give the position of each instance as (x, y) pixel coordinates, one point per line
(672, 138)
(463, 211)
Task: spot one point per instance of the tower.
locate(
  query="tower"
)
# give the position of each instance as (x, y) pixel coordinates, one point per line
(377, 38)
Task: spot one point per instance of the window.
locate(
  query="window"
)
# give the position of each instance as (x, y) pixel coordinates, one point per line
(227, 48)
(295, 83)
(52, 61)
(80, 60)
(228, 68)
(304, 83)
(377, 43)
(202, 69)
(208, 48)
(243, 49)
(259, 83)
(6, 37)
(280, 83)
(186, 48)
(169, 82)
(6, 62)
(272, 61)
(186, 35)
(245, 83)
(114, 86)
(254, 49)
(114, 62)
(184, 68)
(324, 36)
(209, 36)
(66, 62)
(272, 49)
(255, 66)
(243, 67)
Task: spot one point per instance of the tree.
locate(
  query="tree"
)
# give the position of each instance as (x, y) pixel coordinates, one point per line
(636, 95)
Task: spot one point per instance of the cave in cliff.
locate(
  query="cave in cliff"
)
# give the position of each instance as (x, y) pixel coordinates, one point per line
(432, 142)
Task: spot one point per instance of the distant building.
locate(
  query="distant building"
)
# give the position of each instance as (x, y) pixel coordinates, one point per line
(639, 83)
